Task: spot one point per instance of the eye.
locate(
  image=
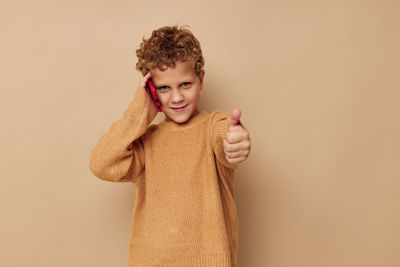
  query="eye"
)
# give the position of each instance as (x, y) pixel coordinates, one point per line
(162, 88)
(186, 84)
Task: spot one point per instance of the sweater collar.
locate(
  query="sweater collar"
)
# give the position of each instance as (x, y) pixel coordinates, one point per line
(172, 125)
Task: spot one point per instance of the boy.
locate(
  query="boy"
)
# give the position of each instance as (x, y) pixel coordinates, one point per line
(182, 168)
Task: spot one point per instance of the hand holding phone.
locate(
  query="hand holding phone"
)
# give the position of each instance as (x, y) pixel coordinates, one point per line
(152, 91)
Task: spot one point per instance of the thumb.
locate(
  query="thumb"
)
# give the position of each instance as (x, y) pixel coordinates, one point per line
(235, 117)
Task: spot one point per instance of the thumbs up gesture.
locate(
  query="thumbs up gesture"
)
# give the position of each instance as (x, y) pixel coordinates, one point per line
(237, 140)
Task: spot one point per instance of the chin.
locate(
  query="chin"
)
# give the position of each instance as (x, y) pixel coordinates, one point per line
(182, 118)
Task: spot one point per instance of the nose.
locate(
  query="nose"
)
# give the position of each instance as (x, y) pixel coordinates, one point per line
(177, 96)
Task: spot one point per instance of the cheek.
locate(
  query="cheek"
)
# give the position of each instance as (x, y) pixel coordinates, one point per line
(194, 97)
(197, 98)
(163, 99)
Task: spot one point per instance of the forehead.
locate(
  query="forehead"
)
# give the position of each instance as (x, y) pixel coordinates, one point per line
(181, 71)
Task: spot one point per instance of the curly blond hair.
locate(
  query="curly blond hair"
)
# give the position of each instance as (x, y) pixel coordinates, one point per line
(167, 45)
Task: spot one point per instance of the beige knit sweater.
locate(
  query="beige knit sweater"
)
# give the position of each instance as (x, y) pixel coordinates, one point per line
(184, 213)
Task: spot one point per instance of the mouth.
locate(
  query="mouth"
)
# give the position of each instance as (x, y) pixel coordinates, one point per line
(177, 109)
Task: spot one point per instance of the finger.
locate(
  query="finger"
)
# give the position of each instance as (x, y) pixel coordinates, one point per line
(145, 79)
(235, 117)
(236, 128)
(245, 145)
(236, 136)
(236, 160)
(238, 154)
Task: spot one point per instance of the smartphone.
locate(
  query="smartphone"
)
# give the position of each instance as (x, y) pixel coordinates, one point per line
(152, 91)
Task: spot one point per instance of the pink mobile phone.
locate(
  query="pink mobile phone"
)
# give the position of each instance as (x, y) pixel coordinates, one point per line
(152, 90)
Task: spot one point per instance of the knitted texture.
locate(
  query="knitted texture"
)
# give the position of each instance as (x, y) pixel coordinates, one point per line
(184, 212)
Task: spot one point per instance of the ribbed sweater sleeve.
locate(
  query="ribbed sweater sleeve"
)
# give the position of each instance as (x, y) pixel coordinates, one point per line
(118, 155)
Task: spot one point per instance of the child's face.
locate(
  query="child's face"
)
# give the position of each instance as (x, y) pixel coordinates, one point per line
(178, 89)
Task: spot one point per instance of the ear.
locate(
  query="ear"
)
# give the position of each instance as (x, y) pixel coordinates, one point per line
(201, 78)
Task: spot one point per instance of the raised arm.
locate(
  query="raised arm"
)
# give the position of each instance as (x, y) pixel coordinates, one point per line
(119, 156)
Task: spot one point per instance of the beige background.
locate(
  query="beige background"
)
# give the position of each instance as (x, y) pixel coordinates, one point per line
(318, 84)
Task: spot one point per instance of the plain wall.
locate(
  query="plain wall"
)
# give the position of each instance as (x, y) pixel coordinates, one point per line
(318, 85)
